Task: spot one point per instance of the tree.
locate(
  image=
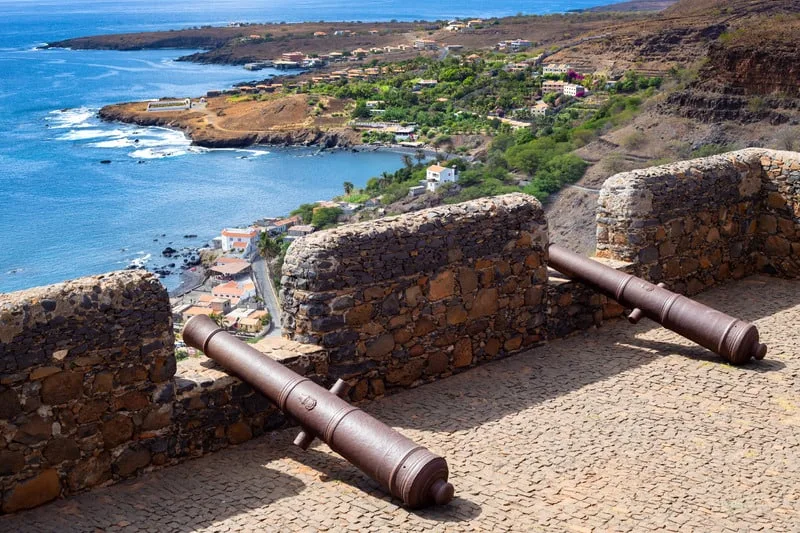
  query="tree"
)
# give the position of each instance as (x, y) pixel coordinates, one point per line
(306, 211)
(419, 156)
(361, 111)
(267, 246)
(348, 188)
(325, 216)
(407, 161)
(219, 320)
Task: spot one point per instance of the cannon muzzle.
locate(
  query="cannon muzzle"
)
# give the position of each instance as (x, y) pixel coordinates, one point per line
(735, 340)
(408, 471)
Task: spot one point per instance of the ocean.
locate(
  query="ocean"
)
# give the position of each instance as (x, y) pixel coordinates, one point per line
(64, 214)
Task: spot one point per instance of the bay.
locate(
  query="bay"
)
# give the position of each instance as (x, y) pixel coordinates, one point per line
(64, 214)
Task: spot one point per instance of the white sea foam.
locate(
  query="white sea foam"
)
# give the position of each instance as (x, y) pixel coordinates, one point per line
(71, 118)
(151, 153)
(86, 134)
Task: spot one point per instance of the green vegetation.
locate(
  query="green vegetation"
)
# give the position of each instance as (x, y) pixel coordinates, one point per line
(306, 212)
(325, 217)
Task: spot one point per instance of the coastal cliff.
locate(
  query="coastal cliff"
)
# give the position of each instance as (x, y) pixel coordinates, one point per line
(282, 122)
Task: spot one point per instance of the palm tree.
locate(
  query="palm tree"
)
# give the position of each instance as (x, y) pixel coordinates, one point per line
(407, 161)
(348, 188)
(420, 156)
(267, 246)
(219, 320)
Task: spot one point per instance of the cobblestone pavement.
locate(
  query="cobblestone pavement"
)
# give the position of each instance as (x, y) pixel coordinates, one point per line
(629, 428)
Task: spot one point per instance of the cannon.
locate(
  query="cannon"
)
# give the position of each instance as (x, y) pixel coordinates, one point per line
(735, 340)
(408, 471)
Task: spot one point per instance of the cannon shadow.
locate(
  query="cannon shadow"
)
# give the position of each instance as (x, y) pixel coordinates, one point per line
(493, 390)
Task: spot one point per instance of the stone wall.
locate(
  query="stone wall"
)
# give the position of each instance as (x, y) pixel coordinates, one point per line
(399, 301)
(85, 370)
(90, 392)
(695, 223)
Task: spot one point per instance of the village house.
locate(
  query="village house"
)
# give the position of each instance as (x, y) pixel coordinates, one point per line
(170, 105)
(235, 291)
(455, 26)
(413, 192)
(550, 86)
(283, 225)
(242, 241)
(320, 34)
(474, 22)
(218, 305)
(572, 89)
(373, 32)
(437, 175)
(300, 231)
(360, 52)
(557, 70)
(541, 109)
(425, 44)
(230, 267)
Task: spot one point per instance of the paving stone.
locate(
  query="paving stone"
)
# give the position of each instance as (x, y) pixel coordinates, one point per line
(625, 428)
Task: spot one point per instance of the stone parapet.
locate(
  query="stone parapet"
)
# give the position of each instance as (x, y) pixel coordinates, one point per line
(403, 300)
(86, 366)
(696, 223)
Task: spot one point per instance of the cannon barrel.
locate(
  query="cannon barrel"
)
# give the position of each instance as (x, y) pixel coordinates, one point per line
(409, 471)
(735, 340)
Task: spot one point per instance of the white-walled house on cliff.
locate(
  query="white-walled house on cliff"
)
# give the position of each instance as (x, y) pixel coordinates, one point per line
(438, 175)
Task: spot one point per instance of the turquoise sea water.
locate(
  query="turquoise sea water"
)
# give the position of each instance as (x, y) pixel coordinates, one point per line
(63, 214)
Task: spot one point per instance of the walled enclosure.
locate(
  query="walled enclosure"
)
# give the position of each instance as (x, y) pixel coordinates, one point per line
(90, 394)
(695, 223)
(399, 299)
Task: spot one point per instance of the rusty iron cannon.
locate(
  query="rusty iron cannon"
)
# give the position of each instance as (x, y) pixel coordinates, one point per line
(735, 340)
(408, 471)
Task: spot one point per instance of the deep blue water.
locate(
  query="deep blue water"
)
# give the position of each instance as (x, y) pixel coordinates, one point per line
(63, 214)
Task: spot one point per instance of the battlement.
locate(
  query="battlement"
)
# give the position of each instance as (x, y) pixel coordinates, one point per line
(90, 391)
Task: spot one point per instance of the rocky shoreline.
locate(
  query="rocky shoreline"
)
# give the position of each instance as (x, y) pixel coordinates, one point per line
(207, 139)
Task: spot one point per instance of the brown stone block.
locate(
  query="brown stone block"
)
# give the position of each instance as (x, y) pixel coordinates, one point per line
(402, 336)
(413, 295)
(468, 280)
(767, 224)
(11, 462)
(612, 309)
(406, 374)
(91, 411)
(776, 200)
(372, 329)
(456, 314)
(131, 401)
(117, 430)
(10, 406)
(373, 293)
(486, 277)
(61, 449)
(485, 303)
(509, 286)
(442, 286)
(424, 326)
(777, 246)
(359, 315)
(360, 391)
(462, 353)
(502, 268)
(157, 418)
(565, 299)
(62, 387)
(131, 460)
(239, 432)
(377, 386)
(35, 430)
(43, 372)
(525, 240)
(492, 347)
(103, 382)
(787, 227)
(380, 347)
(131, 374)
(454, 255)
(163, 368)
(533, 260)
(482, 263)
(533, 296)
(416, 350)
(44, 487)
(513, 344)
(399, 321)
(437, 363)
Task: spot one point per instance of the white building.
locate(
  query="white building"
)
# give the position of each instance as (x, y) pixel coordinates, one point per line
(552, 68)
(572, 89)
(438, 175)
(242, 241)
(541, 109)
